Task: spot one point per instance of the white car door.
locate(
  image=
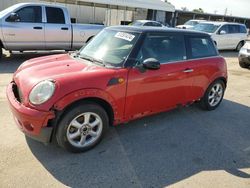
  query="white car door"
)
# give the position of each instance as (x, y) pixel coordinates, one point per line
(235, 35)
(57, 31)
(26, 30)
(221, 38)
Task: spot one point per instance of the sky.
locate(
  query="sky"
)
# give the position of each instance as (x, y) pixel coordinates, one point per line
(239, 8)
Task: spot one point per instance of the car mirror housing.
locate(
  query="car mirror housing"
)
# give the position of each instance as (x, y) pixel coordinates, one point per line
(14, 17)
(151, 64)
(222, 32)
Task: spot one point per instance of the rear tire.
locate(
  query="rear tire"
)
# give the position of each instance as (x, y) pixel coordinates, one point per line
(82, 127)
(239, 46)
(213, 95)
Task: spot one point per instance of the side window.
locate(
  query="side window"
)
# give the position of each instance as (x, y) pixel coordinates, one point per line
(156, 24)
(224, 28)
(234, 29)
(163, 47)
(149, 24)
(30, 14)
(55, 15)
(201, 47)
(243, 29)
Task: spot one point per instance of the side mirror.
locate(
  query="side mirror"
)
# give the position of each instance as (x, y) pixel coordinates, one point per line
(222, 32)
(14, 17)
(151, 64)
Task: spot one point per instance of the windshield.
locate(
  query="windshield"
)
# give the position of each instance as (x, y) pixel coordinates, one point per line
(206, 27)
(192, 23)
(110, 47)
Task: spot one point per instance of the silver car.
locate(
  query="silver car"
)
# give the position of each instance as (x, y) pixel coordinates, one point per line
(38, 26)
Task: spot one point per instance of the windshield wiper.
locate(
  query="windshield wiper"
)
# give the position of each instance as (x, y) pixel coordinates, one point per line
(93, 60)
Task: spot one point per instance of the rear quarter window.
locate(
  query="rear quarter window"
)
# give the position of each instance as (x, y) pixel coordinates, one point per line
(200, 47)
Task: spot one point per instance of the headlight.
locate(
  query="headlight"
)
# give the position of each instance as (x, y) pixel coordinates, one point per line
(42, 92)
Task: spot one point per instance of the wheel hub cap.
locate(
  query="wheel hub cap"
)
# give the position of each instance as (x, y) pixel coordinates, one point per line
(84, 129)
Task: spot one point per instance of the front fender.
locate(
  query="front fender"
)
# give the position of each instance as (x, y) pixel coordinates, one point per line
(91, 93)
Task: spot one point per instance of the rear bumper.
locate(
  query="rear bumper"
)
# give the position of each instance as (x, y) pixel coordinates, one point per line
(30, 121)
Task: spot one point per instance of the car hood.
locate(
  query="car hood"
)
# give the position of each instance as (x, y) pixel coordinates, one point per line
(60, 68)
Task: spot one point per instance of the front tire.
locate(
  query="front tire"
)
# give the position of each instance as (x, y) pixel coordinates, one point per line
(82, 128)
(213, 95)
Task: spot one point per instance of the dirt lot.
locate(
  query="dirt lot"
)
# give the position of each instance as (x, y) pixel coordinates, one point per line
(186, 147)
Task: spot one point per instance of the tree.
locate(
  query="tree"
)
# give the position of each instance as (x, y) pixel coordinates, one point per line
(199, 10)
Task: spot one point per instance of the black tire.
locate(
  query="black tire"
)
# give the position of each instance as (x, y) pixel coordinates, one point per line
(65, 125)
(205, 102)
(239, 46)
(243, 64)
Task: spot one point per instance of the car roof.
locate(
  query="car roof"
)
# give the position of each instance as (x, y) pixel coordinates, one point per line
(144, 21)
(40, 4)
(221, 23)
(198, 20)
(155, 30)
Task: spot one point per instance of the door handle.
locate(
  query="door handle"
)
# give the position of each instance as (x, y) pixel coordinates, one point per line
(64, 28)
(37, 28)
(188, 70)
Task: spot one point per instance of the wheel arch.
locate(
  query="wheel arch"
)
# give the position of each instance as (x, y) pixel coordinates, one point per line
(94, 100)
(222, 79)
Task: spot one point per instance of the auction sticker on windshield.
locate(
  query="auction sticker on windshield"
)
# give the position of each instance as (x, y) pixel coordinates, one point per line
(125, 36)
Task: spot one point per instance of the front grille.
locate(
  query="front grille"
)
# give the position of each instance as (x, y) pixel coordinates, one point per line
(17, 93)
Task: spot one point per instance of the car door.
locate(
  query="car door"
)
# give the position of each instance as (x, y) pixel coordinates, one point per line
(57, 31)
(151, 91)
(222, 38)
(235, 35)
(26, 32)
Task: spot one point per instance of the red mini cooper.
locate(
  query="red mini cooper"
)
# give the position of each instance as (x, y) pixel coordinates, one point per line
(124, 73)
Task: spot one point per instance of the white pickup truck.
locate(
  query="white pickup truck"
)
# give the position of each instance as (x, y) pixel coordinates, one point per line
(36, 26)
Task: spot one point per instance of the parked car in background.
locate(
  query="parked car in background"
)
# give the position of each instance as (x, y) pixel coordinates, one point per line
(147, 23)
(189, 24)
(36, 26)
(244, 55)
(226, 36)
(124, 73)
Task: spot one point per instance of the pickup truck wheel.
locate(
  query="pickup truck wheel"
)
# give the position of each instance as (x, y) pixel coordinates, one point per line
(213, 95)
(82, 128)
